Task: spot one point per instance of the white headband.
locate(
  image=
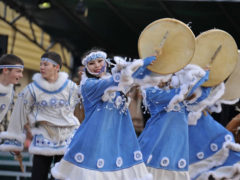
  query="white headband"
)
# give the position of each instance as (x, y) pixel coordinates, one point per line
(12, 66)
(93, 56)
(49, 60)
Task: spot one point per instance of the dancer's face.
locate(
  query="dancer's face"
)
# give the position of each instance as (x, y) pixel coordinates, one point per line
(48, 70)
(96, 65)
(14, 75)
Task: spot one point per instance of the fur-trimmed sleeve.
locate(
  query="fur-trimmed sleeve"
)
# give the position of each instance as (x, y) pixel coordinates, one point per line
(15, 136)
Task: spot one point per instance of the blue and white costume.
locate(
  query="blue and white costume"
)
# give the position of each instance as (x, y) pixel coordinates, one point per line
(49, 108)
(213, 151)
(6, 99)
(7, 93)
(105, 147)
(164, 141)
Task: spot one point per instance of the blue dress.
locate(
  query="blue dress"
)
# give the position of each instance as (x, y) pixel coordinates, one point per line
(164, 141)
(105, 146)
(210, 146)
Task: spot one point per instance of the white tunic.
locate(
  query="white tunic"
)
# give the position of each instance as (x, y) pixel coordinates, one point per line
(49, 108)
(6, 99)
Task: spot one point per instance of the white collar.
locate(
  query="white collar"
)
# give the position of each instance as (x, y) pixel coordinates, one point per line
(62, 77)
(5, 89)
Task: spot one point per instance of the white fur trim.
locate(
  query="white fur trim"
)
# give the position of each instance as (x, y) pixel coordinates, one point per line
(177, 98)
(215, 94)
(4, 147)
(62, 77)
(65, 170)
(234, 101)
(8, 135)
(46, 151)
(152, 80)
(126, 80)
(187, 78)
(5, 89)
(225, 172)
(213, 161)
(217, 107)
(121, 63)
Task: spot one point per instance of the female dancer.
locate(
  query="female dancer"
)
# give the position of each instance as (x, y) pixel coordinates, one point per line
(164, 141)
(105, 146)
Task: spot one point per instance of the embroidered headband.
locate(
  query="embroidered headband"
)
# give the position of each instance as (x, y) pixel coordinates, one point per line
(49, 60)
(93, 56)
(12, 66)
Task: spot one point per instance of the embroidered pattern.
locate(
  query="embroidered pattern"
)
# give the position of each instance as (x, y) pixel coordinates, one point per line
(200, 155)
(164, 162)
(40, 141)
(119, 162)
(214, 147)
(137, 155)
(117, 77)
(182, 163)
(79, 157)
(100, 163)
(12, 142)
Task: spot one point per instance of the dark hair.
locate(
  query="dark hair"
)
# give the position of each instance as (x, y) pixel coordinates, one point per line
(10, 59)
(53, 56)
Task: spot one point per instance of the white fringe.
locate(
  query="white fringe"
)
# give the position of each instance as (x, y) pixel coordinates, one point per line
(215, 94)
(7, 135)
(187, 78)
(8, 148)
(62, 77)
(126, 80)
(46, 151)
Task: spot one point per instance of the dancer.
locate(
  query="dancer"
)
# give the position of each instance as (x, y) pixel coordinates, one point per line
(213, 154)
(48, 103)
(105, 146)
(11, 69)
(164, 140)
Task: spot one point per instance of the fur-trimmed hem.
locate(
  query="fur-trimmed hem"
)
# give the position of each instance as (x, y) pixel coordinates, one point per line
(8, 135)
(45, 151)
(8, 148)
(213, 161)
(166, 174)
(65, 170)
(225, 172)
